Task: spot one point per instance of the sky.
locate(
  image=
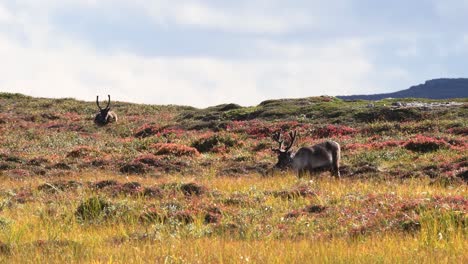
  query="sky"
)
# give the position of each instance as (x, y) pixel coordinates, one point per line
(206, 52)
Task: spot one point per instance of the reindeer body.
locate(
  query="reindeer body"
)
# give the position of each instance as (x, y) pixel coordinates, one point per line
(104, 116)
(325, 155)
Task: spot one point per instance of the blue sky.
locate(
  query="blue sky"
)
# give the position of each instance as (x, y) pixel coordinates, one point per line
(204, 53)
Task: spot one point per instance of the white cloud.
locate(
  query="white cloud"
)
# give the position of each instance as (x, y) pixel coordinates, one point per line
(299, 70)
(244, 20)
(5, 15)
(410, 50)
(451, 9)
(252, 17)
(461, 45)
(51, 64)
(78, 71)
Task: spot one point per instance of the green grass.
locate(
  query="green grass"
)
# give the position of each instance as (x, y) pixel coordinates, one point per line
(50, 225)
(226, 205)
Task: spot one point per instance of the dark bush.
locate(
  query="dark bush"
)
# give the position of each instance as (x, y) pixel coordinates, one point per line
(425, 144)
(5, 249)
(333, 131)
(133, 168)
(11, 158)
(192, 189)
(6, 166)
(59, 186)
(315, 209)
(152, 216)
(209, 143)
(92, 209)
(213, 215)
(228, 107)
(184, 217)
(388, 114)
(131, 188)
(214, 126)
(80, 152)
(463, 175)
(174, 149)
(37, 161)
(294, 214)
(410, 225)
(148, 159)
(147, 130)
(463, 131)
(298, 191)
(105, 183)
(61, 166)
(152, 192)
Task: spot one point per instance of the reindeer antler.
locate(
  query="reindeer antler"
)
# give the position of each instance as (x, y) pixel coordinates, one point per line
(277, 137)
(97, 102)
(292, 135)
(108, 103)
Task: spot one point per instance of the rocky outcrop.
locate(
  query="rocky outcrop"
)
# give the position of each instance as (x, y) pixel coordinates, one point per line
(433, 89)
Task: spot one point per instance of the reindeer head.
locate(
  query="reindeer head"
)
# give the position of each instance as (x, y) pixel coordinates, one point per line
(284, 153)
(102, 118)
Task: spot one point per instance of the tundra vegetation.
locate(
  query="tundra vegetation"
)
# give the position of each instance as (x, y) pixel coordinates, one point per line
(177, 184)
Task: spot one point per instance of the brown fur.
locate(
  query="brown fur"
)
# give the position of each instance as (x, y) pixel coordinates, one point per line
(322, 156)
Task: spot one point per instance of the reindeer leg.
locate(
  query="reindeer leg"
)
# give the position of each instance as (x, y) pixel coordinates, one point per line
(301, 173)
(332, 170)
(335, 171)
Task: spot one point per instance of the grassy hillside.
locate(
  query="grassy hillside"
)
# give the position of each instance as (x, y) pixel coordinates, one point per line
(180, 184)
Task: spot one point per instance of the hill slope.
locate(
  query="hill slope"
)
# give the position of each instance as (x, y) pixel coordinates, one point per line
(179, 184)
(432, 89)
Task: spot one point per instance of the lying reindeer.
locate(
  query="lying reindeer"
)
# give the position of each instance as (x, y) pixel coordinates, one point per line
(325, 155)
(104, 116)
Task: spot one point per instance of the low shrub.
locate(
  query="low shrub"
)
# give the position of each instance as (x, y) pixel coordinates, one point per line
(59, 186)
(374, 145)
(389, 114)
(333, 131)
(174, 149)
(154, 192)
(148, 159)
(463, 131)
(295, 192)
(213, 215)
(217, 141)
(378, 128)
(131, 188)
(153, 215)
(424, 144)
(81, 151)
(134, 168)
(92, 209)
(147, 130)
(183, 217)
(262, 129)
(105, 183)
(192, 189)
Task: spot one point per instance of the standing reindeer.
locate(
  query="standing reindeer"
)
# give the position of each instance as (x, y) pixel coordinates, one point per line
(104, 116)
(325, 155)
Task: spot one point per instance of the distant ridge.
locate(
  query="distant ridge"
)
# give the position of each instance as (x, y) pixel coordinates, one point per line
(443, 88)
